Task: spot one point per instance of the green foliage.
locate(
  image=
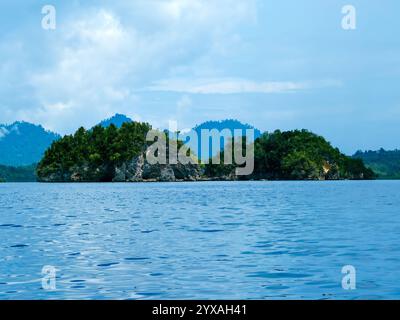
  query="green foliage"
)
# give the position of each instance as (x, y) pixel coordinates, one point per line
(302, 155)
(17, 174)
(386, 164)
(219, 168)
(292, 155)
(298, 155)
(98, 150)
(298, 165)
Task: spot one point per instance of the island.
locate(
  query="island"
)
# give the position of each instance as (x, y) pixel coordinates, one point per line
(117, 154)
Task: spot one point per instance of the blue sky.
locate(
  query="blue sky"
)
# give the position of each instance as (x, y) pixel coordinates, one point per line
(275, 64)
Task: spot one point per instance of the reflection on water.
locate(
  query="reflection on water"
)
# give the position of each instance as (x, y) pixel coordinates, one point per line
(211, 240)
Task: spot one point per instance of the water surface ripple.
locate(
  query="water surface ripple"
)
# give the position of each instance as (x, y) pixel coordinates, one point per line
(211, 240)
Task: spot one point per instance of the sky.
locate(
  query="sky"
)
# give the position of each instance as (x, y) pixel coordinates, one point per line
(285, 64)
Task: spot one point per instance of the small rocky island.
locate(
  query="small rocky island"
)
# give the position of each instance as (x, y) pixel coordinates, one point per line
(111, 154)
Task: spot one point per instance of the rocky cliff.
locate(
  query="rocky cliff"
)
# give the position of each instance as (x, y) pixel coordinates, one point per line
(135, 170)
(138, 169)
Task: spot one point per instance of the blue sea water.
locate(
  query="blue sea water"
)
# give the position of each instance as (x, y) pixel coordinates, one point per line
(202, 240)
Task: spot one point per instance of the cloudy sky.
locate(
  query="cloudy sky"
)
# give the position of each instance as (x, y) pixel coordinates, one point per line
(275, 64)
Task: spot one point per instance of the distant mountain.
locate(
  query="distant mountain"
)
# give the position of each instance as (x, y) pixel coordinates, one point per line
(23, 143)
(229, 124)
(386, 164)
(117, 120)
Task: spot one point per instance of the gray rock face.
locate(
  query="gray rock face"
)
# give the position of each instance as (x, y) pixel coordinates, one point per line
(120, 174)
(167, 174)
(138, 169)
(135, 170)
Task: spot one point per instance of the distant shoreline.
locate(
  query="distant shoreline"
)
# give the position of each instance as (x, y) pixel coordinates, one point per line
(185, 181)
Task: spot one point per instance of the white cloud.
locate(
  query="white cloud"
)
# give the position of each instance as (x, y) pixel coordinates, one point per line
(234, 85)
(103, 57)
(216, 15)
(183, 109)
(184, 103)
(88, 79)
(3, 132)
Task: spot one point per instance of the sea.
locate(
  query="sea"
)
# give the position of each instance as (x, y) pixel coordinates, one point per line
(200, 240)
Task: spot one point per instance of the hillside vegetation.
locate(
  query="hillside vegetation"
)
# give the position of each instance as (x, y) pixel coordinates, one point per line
(95, 152)
(117, 154)
(386, 164)
(298, 155)
(17, 174)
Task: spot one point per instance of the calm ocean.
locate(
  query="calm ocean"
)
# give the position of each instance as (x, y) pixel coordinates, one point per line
(202, 240)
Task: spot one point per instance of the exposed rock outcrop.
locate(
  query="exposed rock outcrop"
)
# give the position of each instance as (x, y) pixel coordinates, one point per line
(138, 169)
(135, 170)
